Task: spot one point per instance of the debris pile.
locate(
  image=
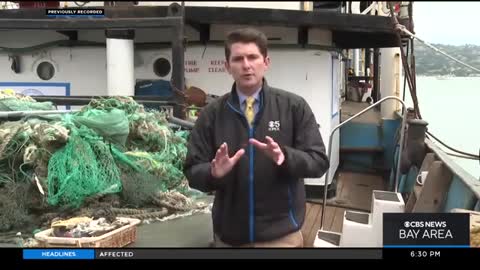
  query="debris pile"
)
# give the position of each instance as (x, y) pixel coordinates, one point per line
(112, 154)
(78, 227)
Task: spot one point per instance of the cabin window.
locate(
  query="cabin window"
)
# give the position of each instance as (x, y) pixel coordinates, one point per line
(45, 70)
(161, 67)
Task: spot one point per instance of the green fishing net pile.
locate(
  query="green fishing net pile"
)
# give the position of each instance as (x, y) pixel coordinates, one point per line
(111, 146)
(150, 154)
(23, 154)
(82, 168)
(10, 101)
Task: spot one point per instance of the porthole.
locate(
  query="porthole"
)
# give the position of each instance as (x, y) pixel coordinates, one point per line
(161, 67)
(45, 70)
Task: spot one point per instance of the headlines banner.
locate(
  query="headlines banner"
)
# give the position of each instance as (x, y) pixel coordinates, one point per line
(410, 236)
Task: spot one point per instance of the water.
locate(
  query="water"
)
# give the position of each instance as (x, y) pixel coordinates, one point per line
(451, 106)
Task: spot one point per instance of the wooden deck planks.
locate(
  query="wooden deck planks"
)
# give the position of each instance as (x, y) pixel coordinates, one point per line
(354, 190)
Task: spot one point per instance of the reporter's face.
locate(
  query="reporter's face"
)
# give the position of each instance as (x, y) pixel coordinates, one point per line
(247, 66)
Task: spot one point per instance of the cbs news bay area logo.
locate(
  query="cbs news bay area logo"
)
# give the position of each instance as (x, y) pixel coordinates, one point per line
(435, 229)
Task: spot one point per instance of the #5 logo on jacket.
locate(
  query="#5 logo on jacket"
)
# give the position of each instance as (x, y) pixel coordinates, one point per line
(274, 126)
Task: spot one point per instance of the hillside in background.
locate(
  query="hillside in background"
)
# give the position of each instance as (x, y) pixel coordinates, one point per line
(431, 63)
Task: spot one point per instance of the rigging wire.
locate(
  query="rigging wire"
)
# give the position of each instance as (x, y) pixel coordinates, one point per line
(412, 86)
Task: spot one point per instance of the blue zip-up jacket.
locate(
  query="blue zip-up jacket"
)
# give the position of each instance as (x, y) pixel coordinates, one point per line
(258, 200)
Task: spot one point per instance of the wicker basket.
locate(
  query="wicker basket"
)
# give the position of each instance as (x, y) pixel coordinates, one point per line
(117, 238)
(474, 225)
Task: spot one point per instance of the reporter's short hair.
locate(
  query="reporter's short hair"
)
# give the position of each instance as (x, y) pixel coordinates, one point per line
(246, 35)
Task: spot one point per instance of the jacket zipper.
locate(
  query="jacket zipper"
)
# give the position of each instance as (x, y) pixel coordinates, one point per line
(291, 210)
(251, 189)
(251, 197)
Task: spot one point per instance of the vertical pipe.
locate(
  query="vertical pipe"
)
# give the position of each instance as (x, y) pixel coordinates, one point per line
(120, 67)
(178, 59)
(389, 58)
(405, 77)
(367, 63)
(376, 75)
(356, 61)
(400, 148)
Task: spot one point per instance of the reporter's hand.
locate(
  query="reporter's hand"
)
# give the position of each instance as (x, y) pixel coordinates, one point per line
(271, 149)
(222, 163)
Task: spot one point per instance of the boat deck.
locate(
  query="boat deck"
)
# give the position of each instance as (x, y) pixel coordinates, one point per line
(350, 108)
(354, 191)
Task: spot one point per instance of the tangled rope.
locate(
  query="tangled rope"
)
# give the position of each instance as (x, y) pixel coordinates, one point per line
(110, 147)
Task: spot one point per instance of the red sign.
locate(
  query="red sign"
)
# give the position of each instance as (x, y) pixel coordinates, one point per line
(191, 66)
(217, 66)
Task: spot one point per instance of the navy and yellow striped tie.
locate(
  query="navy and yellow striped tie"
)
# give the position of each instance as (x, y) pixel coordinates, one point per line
(249, 112)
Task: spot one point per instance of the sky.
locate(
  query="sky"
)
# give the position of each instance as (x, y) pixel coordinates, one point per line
(453, 23)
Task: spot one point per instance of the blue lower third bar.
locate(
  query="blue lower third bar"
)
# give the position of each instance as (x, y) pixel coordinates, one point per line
(426, 246)
(58, 254)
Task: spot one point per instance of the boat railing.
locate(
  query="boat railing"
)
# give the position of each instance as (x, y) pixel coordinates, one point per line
(397, 173)
(467, 179)
(376, 8)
